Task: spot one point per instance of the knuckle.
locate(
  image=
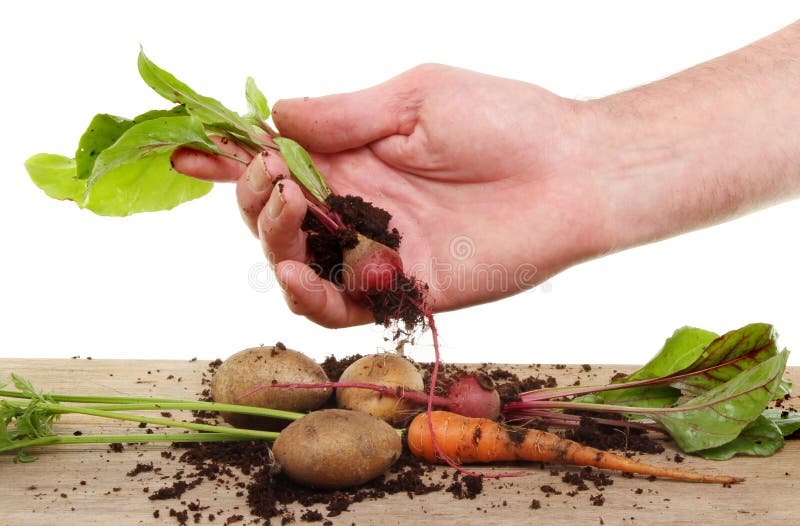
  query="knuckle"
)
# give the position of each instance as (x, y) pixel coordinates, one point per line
(426, 71)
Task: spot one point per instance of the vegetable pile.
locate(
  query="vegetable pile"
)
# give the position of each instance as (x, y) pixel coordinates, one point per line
(734, 379)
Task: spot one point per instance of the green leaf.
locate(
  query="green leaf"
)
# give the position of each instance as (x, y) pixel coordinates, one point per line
(589, 399)
(679, 351)
(729, 355)
(102, 132)
(302, 167)
(644, 396)
(25, 387)
(784, 390)
(788, 421)
(105, 129)
(209, 111)
(152, 138)
(177, 111)
(55, 174)
(719, 415)
(256, 100)
(135, 173)
(24, 458)
(147, 185)
(761, 438)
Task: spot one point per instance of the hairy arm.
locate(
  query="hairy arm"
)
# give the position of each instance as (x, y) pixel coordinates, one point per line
(702, 146)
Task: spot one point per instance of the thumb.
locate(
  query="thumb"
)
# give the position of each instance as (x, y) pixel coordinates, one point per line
(340, 122)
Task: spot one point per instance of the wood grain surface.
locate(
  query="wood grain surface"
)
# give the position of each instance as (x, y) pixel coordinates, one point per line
(81, 485)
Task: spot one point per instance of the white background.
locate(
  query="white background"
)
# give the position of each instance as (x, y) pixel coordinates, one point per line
(179, 284)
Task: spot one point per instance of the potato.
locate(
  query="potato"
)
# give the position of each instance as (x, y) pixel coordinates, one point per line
(382, 369)
(264, 365)
(336, 448)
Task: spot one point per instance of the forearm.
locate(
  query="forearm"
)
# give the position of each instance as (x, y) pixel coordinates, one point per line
(700, 147)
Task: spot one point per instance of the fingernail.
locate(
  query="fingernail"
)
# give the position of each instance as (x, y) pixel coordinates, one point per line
(258, 176)
(276, 202)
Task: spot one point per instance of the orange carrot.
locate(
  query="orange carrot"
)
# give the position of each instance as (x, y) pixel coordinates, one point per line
(478, 440)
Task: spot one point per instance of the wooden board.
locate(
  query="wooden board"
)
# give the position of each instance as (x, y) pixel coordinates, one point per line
(83, 485)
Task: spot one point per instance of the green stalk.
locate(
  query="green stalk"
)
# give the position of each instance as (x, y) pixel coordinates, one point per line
(227, 155)
(89, 399)
(121, 403)
(245, 433)
(599, 408)
(191, 406)
(140, 438)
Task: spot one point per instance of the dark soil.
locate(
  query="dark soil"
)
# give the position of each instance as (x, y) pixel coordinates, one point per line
(269, 494)
(605, 437)
(367, 219)
(325, 248)
(466, 487)
(334, 367)
(403, 302)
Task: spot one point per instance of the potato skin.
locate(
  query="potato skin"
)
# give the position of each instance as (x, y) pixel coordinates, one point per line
(264, 365)
(382, 369)
(336, 448)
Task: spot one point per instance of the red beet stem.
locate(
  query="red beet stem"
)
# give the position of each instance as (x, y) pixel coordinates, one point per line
(326, 220)
(436, 447)
(417, 397)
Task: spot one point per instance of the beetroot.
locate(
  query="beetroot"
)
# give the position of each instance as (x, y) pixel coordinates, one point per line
(350, 243)
(473, 396)
(370, 267)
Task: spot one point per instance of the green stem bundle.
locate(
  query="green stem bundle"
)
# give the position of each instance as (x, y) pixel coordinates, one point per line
(29, 423)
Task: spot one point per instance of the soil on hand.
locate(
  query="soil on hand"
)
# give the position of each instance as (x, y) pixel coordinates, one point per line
(404, 301)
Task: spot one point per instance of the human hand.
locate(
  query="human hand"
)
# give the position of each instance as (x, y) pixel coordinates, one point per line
(477, 171)
(487, 177)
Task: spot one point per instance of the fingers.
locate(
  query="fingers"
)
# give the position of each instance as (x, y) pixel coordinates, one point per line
(254, 187)
(350, 120)
(317, 299)
(274, 210)
(278, 223)
(210, 167)
(278, 227)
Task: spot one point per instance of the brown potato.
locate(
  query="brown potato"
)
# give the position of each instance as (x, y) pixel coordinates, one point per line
(336, 448)
(264, 365)
(382, 369)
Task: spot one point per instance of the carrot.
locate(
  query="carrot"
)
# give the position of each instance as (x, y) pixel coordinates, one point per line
(478, 440)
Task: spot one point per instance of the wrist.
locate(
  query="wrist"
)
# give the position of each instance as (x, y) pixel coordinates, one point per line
(664, 167)
(634, 161)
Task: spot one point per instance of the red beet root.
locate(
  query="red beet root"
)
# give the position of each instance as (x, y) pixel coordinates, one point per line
(472, 397)
(370, 267)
